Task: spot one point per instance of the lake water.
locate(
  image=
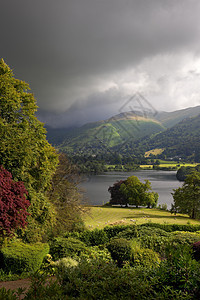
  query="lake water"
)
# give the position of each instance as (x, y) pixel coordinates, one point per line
(162, 182)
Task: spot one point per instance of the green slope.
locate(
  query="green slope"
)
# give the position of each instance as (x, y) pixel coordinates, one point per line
(182, 140)
(108, 134)
(169, 119)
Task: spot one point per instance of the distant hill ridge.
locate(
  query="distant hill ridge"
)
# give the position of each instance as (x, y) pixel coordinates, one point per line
(127, 127)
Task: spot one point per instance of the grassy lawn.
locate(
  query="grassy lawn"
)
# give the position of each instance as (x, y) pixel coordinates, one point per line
(98, 216)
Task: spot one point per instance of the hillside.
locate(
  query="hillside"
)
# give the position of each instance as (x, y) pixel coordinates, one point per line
(169, 119)
(182, 140)
(104, 135)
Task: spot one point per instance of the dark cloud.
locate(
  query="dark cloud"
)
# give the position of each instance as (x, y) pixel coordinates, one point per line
(72, 51)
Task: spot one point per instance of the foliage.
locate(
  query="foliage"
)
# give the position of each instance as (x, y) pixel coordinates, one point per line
(41, 219)
(137, 192)
(24, 150)
(117, 197)
(144, 257)
(94, 238)
(184, 238)
(180, 271)
(187, 198)
(113, 231)
(180, 141)
(63, 247)
(44, 288)
(120, 250)
(96, 252)
(173, 227)
(196, 250)
(153, 238)
(129, 233)
(97, 279)
(65, 198)
(18, 257)
(13, 204)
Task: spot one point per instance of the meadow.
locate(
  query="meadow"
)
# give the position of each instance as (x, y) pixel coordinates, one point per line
(100, 216)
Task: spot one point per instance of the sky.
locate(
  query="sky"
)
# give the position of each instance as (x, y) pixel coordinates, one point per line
(86, 59)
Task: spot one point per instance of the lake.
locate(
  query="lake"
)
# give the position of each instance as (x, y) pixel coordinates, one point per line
(163, 182)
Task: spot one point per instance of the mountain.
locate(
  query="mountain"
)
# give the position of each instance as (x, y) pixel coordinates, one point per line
(182, 140)
(169, 119)
(107, 134)
(133, 133)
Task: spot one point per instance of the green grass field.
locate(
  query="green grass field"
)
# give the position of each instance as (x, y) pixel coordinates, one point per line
(168, 164)
(99, 217)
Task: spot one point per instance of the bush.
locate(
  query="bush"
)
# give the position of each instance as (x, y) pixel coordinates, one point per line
(180, 272)
(113, 231)
(144, 257)
(184, 238)
(120, 250)
(94, 238)
(173, 227)
(97, 253)
(63, 247)
(18, 257)
(98, 279)
(153, 238)
(129, 233)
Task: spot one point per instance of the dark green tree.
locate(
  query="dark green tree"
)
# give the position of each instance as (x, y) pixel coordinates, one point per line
(117, 197)
(187, 197)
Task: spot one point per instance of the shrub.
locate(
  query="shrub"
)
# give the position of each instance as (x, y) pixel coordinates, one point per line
(129, 233)
(153, 238)
(144, 257)
(180, 272)
(13, 204)
(94, 238)
(97, 253)
(19, 257)
(184, 238)
(98, 279)
(63, 247)
(112, 231)
(173, 227)
(120, 250)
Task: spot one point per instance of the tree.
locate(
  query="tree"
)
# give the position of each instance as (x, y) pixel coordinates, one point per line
(65, 197)
(117, 197)
(24, 150)
(187, 197)
(137, 192)
(132, 191)
(13, 204)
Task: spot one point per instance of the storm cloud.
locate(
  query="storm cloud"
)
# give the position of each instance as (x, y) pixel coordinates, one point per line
(84, 58)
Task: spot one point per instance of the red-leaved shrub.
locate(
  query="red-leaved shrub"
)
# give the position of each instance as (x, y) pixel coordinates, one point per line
(13, 204)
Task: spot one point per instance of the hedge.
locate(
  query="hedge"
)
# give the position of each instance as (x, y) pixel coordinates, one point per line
(64, 247)
(19, 257)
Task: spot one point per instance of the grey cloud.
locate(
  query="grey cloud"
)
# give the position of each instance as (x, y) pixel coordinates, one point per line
(65, 48)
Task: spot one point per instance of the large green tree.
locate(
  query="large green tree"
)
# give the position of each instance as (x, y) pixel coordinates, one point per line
(24, 150)
(187, 197)
(133, 192)
(138, 193)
